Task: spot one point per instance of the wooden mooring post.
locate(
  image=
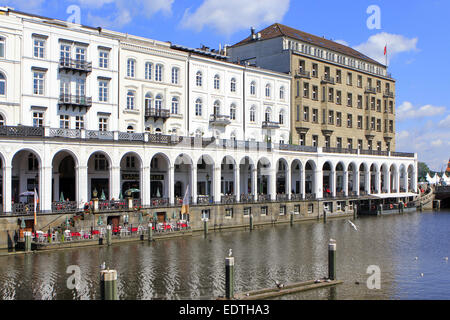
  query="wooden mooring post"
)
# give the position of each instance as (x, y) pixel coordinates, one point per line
(332, 260)
(229, 277)
(108, 284)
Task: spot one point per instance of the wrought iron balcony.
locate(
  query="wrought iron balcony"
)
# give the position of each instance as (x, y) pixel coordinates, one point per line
(157, 113)
(69, 64)
(245, 198)
(370, 90)
(205, 199)
(270, 125)
(219, 120)
(263, 197)
(327, 79)
(310, 196)
(21, 131)
(69, 100)
(296, 196)
(388, 94)
(282, 197)
(230, 198)
(302, 74)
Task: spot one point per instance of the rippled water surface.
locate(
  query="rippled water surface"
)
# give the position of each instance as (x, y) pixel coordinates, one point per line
(193, 268)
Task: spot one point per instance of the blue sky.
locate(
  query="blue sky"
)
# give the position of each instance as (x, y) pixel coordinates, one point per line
(416, 33)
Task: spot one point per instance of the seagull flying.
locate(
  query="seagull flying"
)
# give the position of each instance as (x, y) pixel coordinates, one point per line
(353, 225)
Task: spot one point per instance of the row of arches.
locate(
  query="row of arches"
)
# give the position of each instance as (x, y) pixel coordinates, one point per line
(167, 178)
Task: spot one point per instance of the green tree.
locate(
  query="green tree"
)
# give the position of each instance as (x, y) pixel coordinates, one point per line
(422, 169)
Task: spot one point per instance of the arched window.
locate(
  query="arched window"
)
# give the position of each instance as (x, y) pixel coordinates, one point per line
(2, 84)
(233, 85)
(198, 133)
(198, 79)
(268, 114)
(158, 131)
(148, 101)
(175, 75)
(216, 108)
(233, 136)
(281, 117)
(217, 82)
(174, 105)
(253, 114)
(158, 102)
(148, 129)
(148, 70)
(130, 100)
(2, 120)
(281, 93)
(158, 72)
(130, 129)
(131, 64)
(268, 90)
(198, 107)
(233, 111)
(253, 88)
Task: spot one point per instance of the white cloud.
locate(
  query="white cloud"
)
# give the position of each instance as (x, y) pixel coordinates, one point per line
(407, 111)
(231, 15)
(396, 43)
(123, 10)
(34, 6)
(445, 123)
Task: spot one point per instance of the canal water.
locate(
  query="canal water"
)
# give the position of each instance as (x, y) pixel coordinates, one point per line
(409, 249)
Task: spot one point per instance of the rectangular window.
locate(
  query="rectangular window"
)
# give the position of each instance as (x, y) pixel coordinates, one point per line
(349, 143)
(310, 208)
(175, 75)
(378, 105)
(349, 99)
(103, 91)
(2, 47)
(247, 211)
(315, 93)
(349, 79)
(38, 119)
(298, 112)
(315, 115)
(80, 54)
(339, 143)
(360, 120)
(315, 140)
(379, 145)
(301, 139)
(338, 97)
(38, 83)
(359, 83)
(282, 210)
(330, 94)
(331, 117)
(39, 48)
(338, 119)
(360, 144)
(264, 211)
(79, 122)
(359, 102)
(305, 113)
(206, 214)
(315, 70)
(391, 126)
(103, 59)
(338, 76)
(65, 52)
(229, 213)
(102, 124)
(64, 122)
(306, 90)
(349, 120)
(379, 125)
(297, 209)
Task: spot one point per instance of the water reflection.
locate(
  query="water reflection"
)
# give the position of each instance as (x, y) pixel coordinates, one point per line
(193, 268)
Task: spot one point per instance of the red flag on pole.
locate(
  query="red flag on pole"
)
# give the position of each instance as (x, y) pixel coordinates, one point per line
(385, 49)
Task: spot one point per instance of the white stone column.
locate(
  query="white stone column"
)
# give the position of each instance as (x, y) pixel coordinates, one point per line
(81, 182)
(194, 183)
(303, 182)
(388, 181)
(272, 184)
(345, 182)
(288, 182)
(56, 194)
(114, 184)
(356, 182)
(254, 183)
(414, 177)
(405, 182)
(397, 181)
(237, 182)
(145, 183)
(7, 187)
(217, 182)
(171, 186)
(378, 181)
(367, 181)
(333, 183)
(318, 183)
(45, 186)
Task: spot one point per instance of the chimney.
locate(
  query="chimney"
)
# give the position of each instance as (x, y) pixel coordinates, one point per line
(252, 30)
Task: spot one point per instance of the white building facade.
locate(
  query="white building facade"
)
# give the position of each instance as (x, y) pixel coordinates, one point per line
(91, 113)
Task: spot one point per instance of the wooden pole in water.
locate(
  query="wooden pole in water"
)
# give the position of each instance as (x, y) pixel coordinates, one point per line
(229, 277)
(205, 227)
(292, 218)
(108, 234)
(251, 222)
(332, 260)
(27, 235)
(324, 216)
(108, 285)
(150, 232)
